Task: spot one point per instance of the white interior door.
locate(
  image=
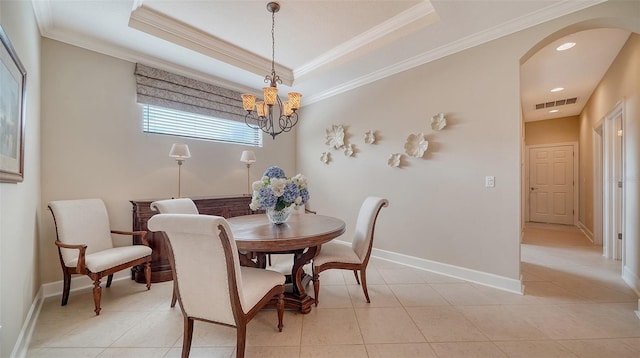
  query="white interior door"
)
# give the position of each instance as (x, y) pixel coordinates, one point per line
(551, 184)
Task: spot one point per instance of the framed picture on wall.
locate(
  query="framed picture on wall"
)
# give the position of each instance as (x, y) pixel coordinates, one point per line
(13, 79)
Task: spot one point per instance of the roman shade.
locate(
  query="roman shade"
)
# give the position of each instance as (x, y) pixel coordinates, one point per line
(165, 89)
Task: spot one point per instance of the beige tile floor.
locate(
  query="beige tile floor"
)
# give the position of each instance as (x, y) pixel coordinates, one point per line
(575, 305)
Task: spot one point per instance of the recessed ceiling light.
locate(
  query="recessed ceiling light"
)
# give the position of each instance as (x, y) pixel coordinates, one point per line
(554, 111)
(565, 46)
(557, 89)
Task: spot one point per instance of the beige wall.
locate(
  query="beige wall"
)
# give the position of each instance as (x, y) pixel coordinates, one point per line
(19, 203)
(620, 83)
(439, 208)
(559, 130)
(93, 145)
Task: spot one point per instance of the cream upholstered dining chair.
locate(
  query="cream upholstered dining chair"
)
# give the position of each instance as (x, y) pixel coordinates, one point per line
(355, 257)
(175, 206)
(85, 245)
(210, 283)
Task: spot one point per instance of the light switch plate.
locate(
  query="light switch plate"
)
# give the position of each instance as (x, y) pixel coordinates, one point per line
(489, 181)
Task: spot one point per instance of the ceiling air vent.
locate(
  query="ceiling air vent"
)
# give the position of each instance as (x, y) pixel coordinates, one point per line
(560, 102)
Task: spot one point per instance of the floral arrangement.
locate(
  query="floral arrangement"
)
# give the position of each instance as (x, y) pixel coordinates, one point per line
(276, 191)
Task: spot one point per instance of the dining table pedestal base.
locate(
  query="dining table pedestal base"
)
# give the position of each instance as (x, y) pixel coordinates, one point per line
(295, 295)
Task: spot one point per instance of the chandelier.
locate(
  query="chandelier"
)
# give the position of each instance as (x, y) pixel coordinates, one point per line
(272, 115)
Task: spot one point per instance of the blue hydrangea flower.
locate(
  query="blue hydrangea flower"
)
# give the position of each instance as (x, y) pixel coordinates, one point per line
(304, 193)
(291, 192)
(267, 198)
(274, 172)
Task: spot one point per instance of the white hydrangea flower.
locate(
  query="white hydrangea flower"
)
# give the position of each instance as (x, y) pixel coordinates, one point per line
(301, 180)
(257, 185)
(255, 204)
(277, 186)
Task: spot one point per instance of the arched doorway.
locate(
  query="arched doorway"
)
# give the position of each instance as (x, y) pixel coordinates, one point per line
(591, 121)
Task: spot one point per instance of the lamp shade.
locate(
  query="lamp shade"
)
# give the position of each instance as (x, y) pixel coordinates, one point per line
(179, 151)
(248, 157)
(248, 101)
(294, 100)
(270, 95)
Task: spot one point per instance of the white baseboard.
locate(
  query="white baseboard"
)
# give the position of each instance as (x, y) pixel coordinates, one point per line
(479, 277)
(631, 279)
(52, 289)
(588, 233)
(24, 338)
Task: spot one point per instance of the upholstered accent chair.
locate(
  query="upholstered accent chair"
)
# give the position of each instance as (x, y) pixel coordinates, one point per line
(355, 257)
(175, 206)
(85, 245)
(210, 283)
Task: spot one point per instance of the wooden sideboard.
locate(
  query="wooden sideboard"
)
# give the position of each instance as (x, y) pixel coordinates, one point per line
(226, 206)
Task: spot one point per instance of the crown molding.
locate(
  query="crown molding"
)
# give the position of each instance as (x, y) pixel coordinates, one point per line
(376, 33)
(162, 26)
(43, 14)
(541, 16)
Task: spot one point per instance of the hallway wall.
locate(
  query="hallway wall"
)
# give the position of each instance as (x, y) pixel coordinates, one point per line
(559, 130)
(620, 83)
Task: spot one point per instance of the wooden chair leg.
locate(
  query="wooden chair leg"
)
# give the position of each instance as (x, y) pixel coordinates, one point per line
(174, 297)
(66, 287)
(147, 274)
(355, 273)
(280, 311)
(316, 286)
(363, 274)
(187, 337)
(97, 293)
(241, 333)
(109, 279)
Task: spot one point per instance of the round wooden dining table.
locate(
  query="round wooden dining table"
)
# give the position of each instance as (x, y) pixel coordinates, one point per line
(302, 235)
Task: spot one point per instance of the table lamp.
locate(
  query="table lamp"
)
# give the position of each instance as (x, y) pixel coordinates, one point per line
(179, 152)
(248, 157)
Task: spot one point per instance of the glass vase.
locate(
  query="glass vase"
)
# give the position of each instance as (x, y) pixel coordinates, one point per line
(279, 216)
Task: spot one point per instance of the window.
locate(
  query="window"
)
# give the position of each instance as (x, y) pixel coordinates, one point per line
(173, 122)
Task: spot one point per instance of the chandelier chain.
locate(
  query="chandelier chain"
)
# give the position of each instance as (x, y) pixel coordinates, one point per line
(273, 42)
